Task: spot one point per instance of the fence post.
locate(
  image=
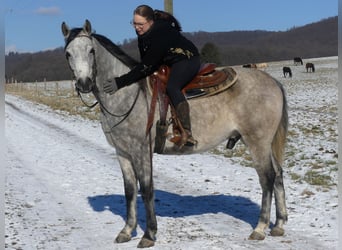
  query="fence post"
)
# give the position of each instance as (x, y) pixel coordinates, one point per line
(57, 90)
(72, 89)
(36, 88)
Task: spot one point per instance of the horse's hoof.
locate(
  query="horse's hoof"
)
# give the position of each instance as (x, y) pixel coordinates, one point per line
(257, 236)
(277, 231)
(145, 243)
(122, 237)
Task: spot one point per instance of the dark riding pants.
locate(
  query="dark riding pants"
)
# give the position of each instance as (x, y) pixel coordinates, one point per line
(181, 74)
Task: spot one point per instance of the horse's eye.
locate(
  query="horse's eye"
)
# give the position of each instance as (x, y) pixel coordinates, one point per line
(67, 55)
(92, 51)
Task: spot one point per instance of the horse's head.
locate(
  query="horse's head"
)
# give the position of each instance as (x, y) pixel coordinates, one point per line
(80, 53)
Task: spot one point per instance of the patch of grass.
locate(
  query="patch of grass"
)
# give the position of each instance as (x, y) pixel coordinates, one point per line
(239, 152)
(313, 130)
(317, 165)
(292, 133)
(63, 102)
(307, 193)
(315, 178)
(331, 162)
(216, 151)
(295, 177)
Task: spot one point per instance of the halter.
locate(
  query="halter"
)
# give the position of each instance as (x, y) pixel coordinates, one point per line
(93, 77)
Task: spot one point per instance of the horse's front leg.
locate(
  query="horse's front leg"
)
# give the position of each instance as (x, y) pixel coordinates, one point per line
(131, 191)
(145, 177)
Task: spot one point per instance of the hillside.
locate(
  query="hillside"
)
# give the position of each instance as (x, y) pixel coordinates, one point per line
(236, 47)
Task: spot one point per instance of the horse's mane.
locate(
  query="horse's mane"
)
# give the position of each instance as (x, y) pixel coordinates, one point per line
(107, 44)
(115, 50)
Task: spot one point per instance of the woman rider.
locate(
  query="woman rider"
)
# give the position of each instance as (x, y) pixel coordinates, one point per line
(160, 42)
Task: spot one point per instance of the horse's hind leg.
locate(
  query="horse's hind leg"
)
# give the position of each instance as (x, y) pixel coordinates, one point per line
(271, 179)
(266, 175)
(131, 191)
(279, 194)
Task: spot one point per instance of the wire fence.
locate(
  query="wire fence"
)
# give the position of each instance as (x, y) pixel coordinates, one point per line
(59, 95)
(59, 88)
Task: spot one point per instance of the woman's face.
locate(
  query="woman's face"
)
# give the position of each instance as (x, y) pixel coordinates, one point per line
(141, 25)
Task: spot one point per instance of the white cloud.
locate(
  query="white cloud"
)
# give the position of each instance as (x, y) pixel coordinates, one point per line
(50, 11)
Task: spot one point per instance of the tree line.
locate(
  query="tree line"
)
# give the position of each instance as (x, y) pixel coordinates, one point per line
(317, 39)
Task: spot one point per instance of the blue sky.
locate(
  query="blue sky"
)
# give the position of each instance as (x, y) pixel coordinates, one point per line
(34, 25)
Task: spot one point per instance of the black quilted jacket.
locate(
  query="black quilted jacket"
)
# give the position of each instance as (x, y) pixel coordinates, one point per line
(162, 44)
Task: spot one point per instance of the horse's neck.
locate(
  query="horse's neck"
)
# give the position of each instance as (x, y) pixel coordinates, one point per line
(107, 65)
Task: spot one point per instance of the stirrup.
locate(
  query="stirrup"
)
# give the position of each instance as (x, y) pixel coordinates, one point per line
(182, 140)
(190, 141)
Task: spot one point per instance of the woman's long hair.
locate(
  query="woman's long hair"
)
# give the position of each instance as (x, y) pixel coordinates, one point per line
(150, 14)
(159, 14)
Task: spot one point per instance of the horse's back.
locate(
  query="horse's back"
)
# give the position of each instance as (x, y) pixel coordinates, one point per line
(256, 84)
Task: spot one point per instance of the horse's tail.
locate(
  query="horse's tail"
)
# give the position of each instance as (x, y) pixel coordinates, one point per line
(279, 140)
(313, 68)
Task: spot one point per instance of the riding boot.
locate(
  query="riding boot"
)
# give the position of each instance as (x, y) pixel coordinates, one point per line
(183, 113)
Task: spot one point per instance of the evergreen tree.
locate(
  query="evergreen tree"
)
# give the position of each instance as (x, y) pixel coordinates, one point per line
(210, 53)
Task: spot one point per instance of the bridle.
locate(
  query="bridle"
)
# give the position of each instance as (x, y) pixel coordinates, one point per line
(94, 89)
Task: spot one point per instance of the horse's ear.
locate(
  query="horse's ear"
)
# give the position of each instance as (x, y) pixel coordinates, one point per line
(65, 29)
(87, 26)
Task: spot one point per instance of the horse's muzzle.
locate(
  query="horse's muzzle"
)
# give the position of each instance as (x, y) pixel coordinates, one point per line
(84, 85)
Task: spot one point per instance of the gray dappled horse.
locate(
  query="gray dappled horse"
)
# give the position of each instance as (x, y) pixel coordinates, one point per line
(254, 108)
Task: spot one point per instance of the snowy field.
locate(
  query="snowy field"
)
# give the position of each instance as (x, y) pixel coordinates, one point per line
(64, 187)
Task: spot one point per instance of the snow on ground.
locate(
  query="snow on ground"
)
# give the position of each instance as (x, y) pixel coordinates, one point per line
(64, 187)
